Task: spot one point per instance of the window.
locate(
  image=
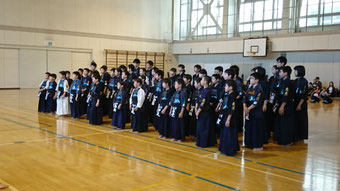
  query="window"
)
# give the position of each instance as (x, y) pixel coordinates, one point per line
(319, 12)
(259, 15)
(206, 17)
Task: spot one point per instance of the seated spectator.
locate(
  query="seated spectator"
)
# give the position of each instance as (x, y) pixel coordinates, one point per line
(317, 83)
(331, 90)
(315, 95)
(310, 88)
(325, 96)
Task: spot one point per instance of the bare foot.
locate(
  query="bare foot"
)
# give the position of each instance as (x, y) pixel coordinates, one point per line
(3, 186)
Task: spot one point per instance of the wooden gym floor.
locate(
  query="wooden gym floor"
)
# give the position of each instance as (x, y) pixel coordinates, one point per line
(44, 152)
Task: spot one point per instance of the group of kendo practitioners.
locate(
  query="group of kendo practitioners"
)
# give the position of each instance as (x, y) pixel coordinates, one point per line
(205, 108)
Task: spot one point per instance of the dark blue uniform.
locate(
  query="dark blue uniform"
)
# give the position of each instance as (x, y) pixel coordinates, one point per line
(178, 101)
(74, 91)
(85, 84)
(42, 102)
(189, 89)
(205, 135)
(228, 139)
(239, 104)
(270, 97)
(156, 94)
(49, 97)
(215, 97)
(164, 119)
(111, 89)
(138, 117)
(301, 117)
(128, 87)
(254, 121)
(194, 78)
(149, 75)
(284, 130)
(265, 89)
(119, 115)
(181, 75)
(95, 114)
(104, 81)
(173, 80)
(192, 115)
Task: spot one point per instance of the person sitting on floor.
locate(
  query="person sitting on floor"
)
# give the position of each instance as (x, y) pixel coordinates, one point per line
(315, 95)
(331, 90)
(325, 96)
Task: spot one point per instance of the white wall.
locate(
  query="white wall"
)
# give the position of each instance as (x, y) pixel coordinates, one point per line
(84, 26)
(294, 42)
(325, 64)
(9, 67)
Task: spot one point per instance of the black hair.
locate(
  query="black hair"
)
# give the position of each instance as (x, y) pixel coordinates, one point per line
(138, 80)
(173, 70)
(81, 70)
(119, 70)
(219, 68)
(207, 79)
(203, 71)
(63, 73)
(282, 59)
(180, 81)
(275, 67)
(198, 66)
(121, 82)
(167, 81)
(198, 80)
(122, 67)
(181, 66)
(77, 74)
(262, 72)
(188, 77)
(236, 69)
(137, 61)
(143, 77)
(287, 69)
(113, 69)
(160, 73)
(93, 63)
(318, 78)
(230, 72)
(126, 73)
(53, 75)
(155, 69)
(48, 73)
(96, 75)
(300, 70)
(150, 62)
(256, 75)
(104, 67)
(144, 70)
(86, 69)
(131, 67)
(216, 76)
(231, 83)
(67, 72)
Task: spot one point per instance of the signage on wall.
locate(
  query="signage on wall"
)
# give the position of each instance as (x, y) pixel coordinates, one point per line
(48, 43)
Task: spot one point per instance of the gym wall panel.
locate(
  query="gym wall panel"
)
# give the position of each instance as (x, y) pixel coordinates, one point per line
(80, 60)
(58, 61)
(32, 67)
(9, 75)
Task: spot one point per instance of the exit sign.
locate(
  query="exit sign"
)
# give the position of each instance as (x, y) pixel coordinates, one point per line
(49, 43)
